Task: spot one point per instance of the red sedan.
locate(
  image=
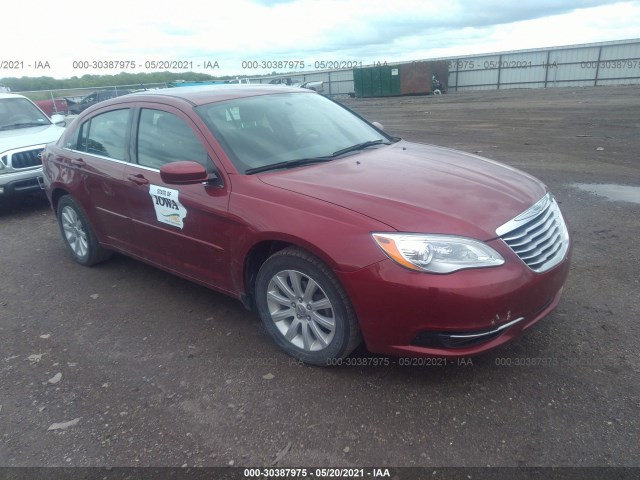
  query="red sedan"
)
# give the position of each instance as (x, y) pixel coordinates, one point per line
(332, 230)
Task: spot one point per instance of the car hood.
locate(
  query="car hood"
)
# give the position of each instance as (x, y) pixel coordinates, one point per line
(26, 137)
(419, 188)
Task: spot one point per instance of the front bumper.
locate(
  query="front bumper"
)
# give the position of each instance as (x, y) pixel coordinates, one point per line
(465, 313)
(27, 181)
(451, 340)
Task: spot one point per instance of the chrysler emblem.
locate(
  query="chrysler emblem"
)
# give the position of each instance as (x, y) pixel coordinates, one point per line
(534, 210)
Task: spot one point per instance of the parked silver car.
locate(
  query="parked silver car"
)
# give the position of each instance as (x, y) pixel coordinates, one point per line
(24, 131)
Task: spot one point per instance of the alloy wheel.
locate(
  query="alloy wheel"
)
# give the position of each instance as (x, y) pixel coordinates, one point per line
(301, 310)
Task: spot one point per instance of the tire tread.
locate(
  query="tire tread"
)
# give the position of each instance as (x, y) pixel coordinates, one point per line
(354, 334)
(97, 253)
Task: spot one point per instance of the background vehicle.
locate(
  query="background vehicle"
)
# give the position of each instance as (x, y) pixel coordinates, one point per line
(93, 98)
(52, 107)
(24, 131)
(316, 86)
(241, 81)
(195, 83)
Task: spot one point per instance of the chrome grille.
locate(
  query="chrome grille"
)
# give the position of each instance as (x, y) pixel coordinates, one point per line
(27, 158)
(538, 235)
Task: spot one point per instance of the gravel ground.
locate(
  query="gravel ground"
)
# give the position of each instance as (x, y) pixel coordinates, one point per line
(151, 370)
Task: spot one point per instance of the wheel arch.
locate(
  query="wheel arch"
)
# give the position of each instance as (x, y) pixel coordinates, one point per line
(330, 324)
(56, 195)
(260, 251)
(80, 238)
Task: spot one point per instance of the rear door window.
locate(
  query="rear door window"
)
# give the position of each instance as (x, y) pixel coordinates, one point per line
(105, 135)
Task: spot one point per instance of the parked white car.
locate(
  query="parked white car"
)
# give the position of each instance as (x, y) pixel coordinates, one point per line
(24, 131)
(316, 86)
(241, 81)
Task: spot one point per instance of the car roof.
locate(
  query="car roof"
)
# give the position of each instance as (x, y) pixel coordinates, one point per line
(202, 95)
(11, 95)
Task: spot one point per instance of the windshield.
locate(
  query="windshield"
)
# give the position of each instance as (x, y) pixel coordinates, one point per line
(20, 113)
(286, 127)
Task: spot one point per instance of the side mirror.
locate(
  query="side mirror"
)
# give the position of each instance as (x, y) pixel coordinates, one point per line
(378, 125)
(183, 173)
(59, 120)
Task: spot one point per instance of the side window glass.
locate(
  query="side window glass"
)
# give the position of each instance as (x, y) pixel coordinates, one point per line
(82, 137)
(73, 141)
(164, 138)
(105, 135)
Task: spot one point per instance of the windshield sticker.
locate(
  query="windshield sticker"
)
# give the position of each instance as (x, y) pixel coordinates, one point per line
(167, 204)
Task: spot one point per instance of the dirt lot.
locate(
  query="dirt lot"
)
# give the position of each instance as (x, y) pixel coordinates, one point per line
(163, 372)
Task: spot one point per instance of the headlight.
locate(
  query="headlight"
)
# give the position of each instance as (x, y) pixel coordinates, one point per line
(437, 253)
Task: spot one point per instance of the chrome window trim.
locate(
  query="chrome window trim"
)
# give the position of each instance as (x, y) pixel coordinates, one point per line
(144, 167)
(124, 162)
(102, 157)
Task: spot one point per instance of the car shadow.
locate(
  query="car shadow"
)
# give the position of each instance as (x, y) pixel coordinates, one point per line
(18, 205)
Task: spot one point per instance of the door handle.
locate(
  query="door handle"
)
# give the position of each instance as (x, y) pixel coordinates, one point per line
(138, 179)
(78, 162)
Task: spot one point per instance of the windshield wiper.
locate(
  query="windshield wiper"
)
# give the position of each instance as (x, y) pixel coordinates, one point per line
(308, 161)
(21, 125)
(288, 164)
(359, 146)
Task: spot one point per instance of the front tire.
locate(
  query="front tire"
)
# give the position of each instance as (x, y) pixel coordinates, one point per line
(305, 309)
(77, 233)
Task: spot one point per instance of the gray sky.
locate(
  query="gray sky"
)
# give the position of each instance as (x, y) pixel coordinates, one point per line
(235, 31)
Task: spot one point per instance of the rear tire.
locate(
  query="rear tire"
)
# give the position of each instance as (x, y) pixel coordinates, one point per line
(78, 235)
(305, 309)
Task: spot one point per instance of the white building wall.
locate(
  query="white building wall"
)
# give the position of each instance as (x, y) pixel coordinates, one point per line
(605, 63)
